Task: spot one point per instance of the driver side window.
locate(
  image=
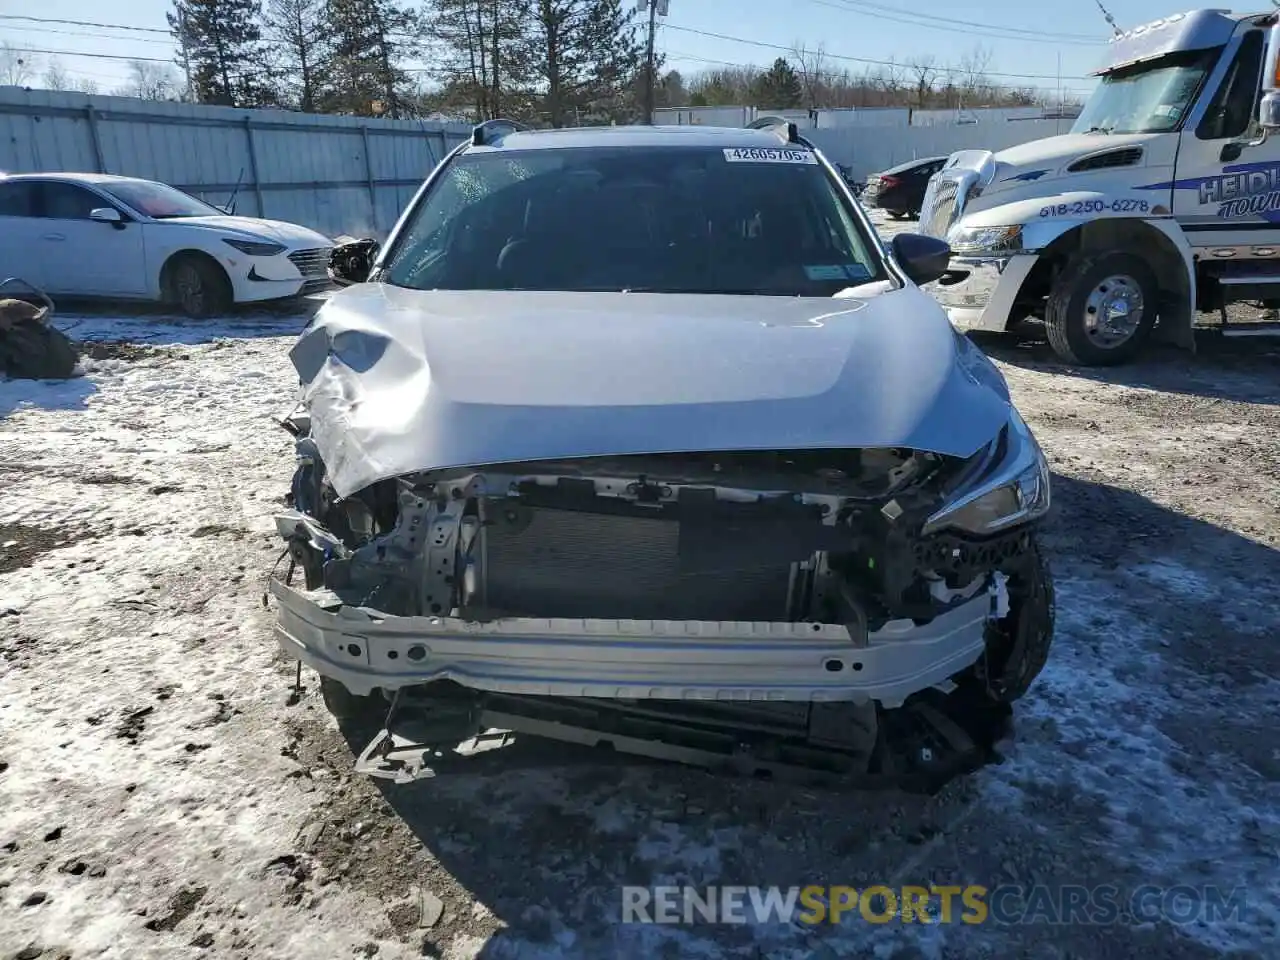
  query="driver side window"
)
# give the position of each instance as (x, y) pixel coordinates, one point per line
(1232, 109)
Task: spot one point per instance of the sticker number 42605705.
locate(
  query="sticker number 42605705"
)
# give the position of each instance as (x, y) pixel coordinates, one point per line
(1085, 207)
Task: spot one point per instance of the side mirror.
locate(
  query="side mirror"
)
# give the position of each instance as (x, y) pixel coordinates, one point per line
(922, 259)
(107, 215)
(351, 262)
(1269, 105)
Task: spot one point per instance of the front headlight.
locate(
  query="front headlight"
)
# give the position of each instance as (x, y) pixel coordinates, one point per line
(969, 240)
(256, 248)
(1011, 490)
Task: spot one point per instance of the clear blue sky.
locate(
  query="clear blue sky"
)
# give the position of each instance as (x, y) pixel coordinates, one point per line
(1037, 37)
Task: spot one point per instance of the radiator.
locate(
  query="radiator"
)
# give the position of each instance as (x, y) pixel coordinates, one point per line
(561, 563)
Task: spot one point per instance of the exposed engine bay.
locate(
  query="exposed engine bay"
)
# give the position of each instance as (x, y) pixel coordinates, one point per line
(676, 605)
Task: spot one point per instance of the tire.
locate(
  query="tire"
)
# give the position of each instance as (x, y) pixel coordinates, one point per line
(34, 350)
(1090, 283)
(198, 286)
(898, 214)
(348, 707)
(1018, 645)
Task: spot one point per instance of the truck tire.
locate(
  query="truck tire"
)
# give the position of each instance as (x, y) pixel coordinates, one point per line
(1101, 308)
(348, 707)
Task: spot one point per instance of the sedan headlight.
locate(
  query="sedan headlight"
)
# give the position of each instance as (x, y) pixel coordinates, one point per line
(1012, 488)
(970, 240)
(256, 248)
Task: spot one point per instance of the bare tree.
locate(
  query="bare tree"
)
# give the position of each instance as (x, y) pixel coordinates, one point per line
(811, 66)
(923, 71)
(891, 78)
(971, 71)
(17, 66)
(56, 77)
(149, 81)
(87, 86)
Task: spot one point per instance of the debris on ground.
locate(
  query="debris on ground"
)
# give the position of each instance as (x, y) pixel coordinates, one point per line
(31, 347)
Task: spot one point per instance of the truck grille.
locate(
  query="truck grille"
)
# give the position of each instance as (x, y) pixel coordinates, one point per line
(941, 207)
(311, 263)
(564, 563)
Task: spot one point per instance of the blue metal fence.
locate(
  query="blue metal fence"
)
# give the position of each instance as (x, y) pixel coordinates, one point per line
(334, 174)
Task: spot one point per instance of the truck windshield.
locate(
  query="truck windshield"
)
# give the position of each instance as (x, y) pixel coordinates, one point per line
(661, 220)
(1147, 97)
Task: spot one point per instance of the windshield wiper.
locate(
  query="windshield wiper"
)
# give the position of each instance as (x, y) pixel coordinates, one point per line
(1099, 129)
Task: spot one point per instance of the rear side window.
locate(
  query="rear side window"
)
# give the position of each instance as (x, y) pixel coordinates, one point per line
(1231, 111)
(17, 199)
(66, 201)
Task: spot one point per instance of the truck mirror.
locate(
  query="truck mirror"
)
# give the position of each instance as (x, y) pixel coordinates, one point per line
(1269, 106)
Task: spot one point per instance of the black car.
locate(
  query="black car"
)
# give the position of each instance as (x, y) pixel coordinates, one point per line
(900, 189)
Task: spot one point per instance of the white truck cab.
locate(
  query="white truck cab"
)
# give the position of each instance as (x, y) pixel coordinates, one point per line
(1162, 201)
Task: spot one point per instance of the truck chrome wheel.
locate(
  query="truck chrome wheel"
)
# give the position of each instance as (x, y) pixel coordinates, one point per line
(1113, 311)
(1102, 307)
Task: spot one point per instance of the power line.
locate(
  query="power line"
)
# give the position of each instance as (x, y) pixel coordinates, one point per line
(81, 33)
(95, 56)
(930, 21)
(881, 63)
(83, 23)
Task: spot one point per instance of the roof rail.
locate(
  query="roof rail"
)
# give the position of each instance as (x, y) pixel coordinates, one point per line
(786, 129)
(490, 131)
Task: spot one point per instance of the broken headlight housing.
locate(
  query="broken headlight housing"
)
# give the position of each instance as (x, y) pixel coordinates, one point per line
(1011, 487)
(984, 240)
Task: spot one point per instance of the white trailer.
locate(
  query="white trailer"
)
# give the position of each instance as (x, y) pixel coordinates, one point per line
(1163, 201)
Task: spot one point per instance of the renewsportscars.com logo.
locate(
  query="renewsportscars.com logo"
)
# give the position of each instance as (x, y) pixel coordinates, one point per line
(971, 904)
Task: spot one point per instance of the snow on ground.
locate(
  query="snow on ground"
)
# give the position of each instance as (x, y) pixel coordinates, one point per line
(162, 795)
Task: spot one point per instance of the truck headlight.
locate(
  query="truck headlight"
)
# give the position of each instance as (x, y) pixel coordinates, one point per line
(1011, 488)
(967, 240)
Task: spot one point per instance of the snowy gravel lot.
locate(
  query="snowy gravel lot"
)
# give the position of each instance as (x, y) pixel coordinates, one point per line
(161, 795)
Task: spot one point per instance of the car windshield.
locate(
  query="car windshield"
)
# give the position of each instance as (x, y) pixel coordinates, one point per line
(1146, 98)
(158, 201)
(672, 220)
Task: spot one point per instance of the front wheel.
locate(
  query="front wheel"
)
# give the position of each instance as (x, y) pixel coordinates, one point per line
(199, 287)
(1018, 644)
(348, 707)
(1102, 308)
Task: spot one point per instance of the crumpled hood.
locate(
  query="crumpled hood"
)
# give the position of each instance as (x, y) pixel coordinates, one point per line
(398, 381)
(1042, 160)
(251, 228)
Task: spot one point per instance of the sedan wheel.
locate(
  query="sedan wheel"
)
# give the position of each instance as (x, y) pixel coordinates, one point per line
(199, 289)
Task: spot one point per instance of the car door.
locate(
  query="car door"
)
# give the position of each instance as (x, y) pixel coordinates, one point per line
(85, 256)
(1227, 193)
(19, 228)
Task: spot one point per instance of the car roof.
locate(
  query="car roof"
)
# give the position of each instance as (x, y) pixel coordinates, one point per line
(94, 178)
(689, 135)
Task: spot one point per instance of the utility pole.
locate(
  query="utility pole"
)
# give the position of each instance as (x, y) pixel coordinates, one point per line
(656, 8)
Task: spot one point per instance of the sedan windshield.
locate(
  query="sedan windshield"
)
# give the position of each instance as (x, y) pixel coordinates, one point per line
(673, 220)
(1146, 98)
(158, 201)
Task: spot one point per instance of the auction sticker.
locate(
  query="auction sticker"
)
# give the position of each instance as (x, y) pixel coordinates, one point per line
(768, 155)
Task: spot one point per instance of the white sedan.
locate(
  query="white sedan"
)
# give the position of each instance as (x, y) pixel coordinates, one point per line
(95, 235)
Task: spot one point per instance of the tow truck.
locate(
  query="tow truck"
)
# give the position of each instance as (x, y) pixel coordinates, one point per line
(1161, 204)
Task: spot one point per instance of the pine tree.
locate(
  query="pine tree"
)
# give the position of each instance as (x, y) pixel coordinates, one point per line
(485, 61)
(299, 33)
(778, 87)
(221, 47)
(370, 39)
(587, 58)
